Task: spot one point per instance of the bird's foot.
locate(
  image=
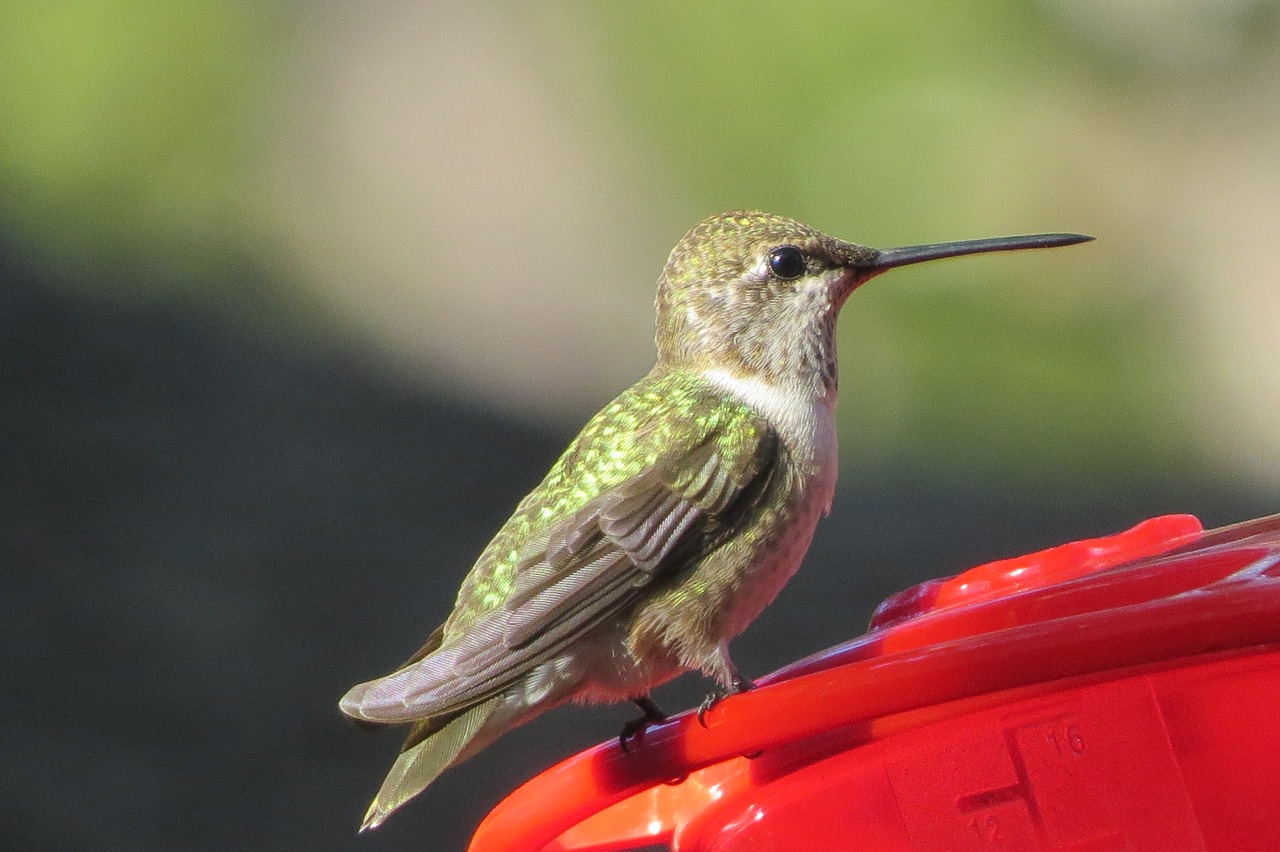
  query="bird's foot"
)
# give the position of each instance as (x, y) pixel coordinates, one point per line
(740, 684)
(707, 703)
(652, 713)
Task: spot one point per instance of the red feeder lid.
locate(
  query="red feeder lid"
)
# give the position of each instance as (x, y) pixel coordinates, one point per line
(1110, 693)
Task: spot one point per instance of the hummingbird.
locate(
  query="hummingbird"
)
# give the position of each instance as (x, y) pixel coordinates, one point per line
(674, 517)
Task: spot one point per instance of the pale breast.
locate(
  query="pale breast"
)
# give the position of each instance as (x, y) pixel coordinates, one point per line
(767, 557)
(685, 623)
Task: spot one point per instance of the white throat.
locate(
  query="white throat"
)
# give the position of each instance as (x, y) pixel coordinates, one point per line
(805, 422)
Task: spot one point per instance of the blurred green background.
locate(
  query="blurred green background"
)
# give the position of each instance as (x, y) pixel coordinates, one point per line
(299, 298)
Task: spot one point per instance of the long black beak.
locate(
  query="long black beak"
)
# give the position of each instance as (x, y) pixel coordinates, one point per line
(889, 258)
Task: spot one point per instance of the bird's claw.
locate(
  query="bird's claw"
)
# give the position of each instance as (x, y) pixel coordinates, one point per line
(740, 684)
(707, 703)
(631, 729)
(652, 713)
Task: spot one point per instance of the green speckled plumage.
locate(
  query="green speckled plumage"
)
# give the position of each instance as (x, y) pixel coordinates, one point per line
(653, 425)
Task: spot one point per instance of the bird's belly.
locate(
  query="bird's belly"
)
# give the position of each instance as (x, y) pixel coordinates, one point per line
(612, 670)
(777, 547)
(687, 624)
(671, 632)
(777, 559)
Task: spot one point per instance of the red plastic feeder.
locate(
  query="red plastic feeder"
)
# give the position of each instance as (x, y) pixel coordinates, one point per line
(1118, 693)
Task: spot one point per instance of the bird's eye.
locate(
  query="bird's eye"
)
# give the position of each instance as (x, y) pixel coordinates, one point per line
(787, 262)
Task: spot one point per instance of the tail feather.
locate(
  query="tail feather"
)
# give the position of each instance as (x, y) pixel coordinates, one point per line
(421, 763)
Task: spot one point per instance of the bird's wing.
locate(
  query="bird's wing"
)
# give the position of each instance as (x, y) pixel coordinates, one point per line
(574, 572)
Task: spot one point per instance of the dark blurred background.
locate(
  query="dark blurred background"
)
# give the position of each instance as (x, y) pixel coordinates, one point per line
(298, 299)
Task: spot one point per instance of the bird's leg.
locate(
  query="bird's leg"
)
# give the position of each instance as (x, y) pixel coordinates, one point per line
(652, 713)
(731, 681)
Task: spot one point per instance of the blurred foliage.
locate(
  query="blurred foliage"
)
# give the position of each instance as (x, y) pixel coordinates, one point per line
(1012, 395)
(130, 143)
(136, 132)
(858, 109)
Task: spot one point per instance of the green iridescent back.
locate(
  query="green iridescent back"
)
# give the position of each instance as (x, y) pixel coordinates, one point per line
(651, 425)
